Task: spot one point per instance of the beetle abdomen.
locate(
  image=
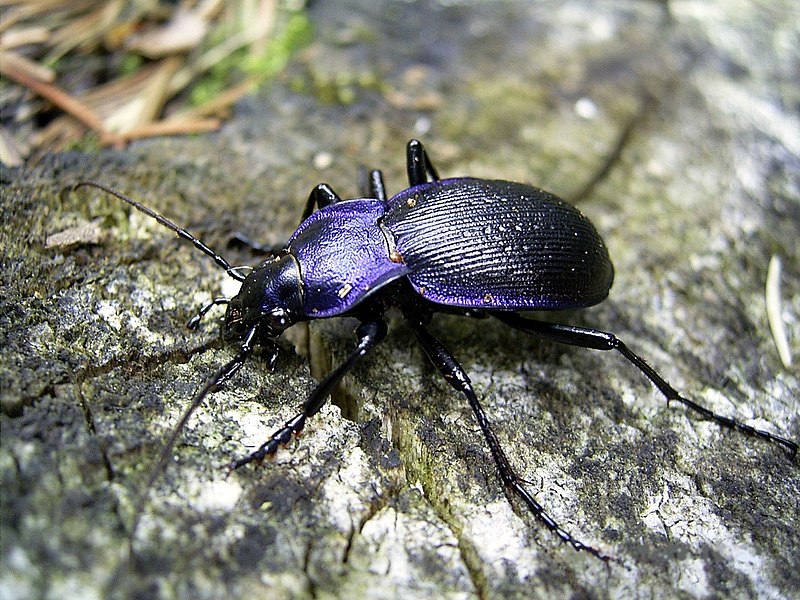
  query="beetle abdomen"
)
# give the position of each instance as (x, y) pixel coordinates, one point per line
(497, 244)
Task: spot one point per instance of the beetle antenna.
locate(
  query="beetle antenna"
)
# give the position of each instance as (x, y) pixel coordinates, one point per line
(180, 231)
(224, 373)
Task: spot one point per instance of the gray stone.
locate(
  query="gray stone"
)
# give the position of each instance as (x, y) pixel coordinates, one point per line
(674, 127)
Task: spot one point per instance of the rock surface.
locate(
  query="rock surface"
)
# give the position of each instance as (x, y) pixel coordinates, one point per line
(674, 129)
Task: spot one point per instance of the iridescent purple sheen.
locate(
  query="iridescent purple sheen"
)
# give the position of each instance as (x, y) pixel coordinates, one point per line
(343, 256)
(463, 242)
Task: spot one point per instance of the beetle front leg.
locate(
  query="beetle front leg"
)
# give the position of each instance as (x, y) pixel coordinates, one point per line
(238, 238)
(601, 340)
(370, 334)
(418, 165)
(194, 322)
(455, 375)
(321, 196)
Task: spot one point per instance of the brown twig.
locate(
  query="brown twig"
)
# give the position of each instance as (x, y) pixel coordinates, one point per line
(171, 127)
(60, 98)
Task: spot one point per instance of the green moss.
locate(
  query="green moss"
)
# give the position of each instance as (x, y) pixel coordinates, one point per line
(89, 143)
(130, 64)
(297, 34)
(294, 35)
(337, 88)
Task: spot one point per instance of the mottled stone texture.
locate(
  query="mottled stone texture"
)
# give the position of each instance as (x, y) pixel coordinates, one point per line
(674, 128)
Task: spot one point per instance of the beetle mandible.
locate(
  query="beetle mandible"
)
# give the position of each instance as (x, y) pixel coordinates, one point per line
(474, 247)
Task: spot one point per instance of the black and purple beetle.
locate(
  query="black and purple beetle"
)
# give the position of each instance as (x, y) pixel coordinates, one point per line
(466, 246)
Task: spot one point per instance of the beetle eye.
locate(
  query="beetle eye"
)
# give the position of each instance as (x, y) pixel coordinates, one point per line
(279, 320)
(233, 328)
(233, 317)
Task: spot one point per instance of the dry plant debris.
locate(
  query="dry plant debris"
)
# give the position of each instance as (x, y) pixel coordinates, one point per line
(123, 70)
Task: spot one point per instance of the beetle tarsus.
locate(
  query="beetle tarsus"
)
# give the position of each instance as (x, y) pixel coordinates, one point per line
(370, 334)
(600, 340)
(280, 438)
(455, 375)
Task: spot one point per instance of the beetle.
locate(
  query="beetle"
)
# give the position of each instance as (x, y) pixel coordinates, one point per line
(472, 247)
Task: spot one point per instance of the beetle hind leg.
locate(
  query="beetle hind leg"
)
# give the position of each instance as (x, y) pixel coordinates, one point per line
(601, 340)
(455, 375)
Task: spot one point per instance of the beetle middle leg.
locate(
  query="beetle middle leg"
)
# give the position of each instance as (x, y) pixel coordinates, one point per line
(371, 184)
(455, 375)
(370, 334)
(600, 340)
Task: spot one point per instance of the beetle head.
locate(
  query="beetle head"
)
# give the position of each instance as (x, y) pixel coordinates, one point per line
(270, 300)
